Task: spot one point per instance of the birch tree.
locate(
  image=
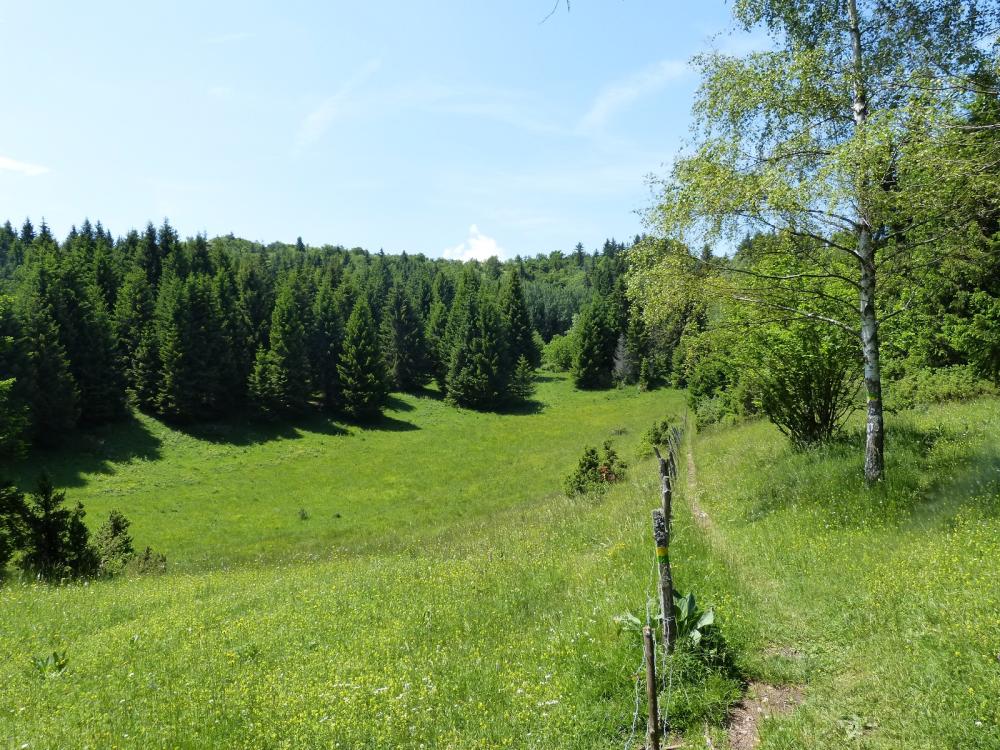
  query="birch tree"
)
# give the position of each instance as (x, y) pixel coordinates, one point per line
(848, 141)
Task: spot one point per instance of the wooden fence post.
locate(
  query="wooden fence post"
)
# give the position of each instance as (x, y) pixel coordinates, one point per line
(653, 716)
(661, 535)
(666, 485)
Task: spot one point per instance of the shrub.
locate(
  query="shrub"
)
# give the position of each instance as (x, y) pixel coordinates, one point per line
(926, 386)
(146, 562)
(658, 435)
(557, 355)
(805, 377)
(114, 544)
(595, 471)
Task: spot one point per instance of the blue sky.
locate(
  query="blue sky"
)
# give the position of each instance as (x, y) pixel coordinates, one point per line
(455, 127)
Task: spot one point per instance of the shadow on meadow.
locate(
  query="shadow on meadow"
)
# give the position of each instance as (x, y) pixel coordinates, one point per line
(92, 451)
(923, 464)
(245, 431)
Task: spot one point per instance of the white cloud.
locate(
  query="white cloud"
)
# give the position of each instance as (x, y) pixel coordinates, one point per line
(622, 93)
(477, 246)
(22, 167)
(316, 123)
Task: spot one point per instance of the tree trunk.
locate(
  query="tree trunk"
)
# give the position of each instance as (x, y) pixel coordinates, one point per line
(874, 434)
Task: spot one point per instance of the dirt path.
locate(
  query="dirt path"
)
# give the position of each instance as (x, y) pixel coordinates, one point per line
(760, 701)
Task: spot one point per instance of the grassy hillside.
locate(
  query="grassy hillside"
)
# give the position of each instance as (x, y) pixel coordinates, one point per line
(459, 600)
(885, 605)
(231, 493)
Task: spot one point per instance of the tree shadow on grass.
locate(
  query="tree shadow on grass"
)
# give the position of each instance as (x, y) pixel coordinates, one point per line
(395, 403)
(91, 451)
(244, 431)
(514, 408)
(387, 424)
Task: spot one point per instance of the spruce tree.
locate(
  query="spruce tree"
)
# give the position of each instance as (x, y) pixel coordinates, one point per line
(361, 370)
(517, 320)
(132, 319)
(286, 364)
(403, 344)
(326, 342)
(52, 394)
(436, 335)
(476, 374)
(13, 410)
(192, 350)
(593, 361)
(83, 326)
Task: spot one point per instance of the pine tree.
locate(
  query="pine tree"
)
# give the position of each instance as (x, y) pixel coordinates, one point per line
(596, 341)
(517, 321)
(287, 359)
(436, 335)
(192, 350)
(52, 394)
(403, 344)
(327, 342)
(361, 371)
(476, 373)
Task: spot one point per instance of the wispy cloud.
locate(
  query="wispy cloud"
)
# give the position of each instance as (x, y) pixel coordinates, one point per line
(22, 167)
(477, 246)
(229, 37)
(620, 94)
(315, 124)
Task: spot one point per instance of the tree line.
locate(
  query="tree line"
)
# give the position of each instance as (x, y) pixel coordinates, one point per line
(197, 329)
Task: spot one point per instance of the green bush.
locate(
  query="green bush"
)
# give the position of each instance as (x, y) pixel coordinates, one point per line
(595, 471)
(658, 435)
(557, 355)
(927, 386)
(113, 544)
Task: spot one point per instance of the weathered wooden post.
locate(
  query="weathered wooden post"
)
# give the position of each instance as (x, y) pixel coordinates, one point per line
(653, 716)
(666, 485)
(661, 534)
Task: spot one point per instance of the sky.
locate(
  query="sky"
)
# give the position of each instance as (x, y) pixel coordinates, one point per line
(455, 128)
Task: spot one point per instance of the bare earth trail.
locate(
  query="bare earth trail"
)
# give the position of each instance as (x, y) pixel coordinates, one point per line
(761, 700)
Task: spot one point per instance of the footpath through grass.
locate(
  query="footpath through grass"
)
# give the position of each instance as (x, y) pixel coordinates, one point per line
(459, 601)
(885, 604)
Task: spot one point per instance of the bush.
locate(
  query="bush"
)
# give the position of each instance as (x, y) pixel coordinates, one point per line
(557, 355)
(595, 471)
(658, 435)
(147, 562)
(926, 386)
(114, 545)
(805, 377)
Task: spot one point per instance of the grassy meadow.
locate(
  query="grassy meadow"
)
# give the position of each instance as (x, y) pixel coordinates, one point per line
(442, 593)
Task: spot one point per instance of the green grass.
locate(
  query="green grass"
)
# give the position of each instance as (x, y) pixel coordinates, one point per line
(444, 594)
(458, 601)
(885, 604)
(231, 493)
